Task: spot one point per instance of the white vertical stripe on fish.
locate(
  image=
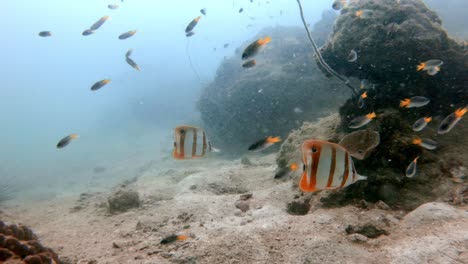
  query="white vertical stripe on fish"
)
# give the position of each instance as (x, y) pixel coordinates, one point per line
(309, 167)
(323, 170)
(350, 171)
(339, 169)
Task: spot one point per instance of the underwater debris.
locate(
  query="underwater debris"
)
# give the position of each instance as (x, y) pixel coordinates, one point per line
(18, 244)
(360, 143)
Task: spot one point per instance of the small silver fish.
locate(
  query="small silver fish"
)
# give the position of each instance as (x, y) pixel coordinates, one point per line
(264, 143)
(411, 169)
(45, 34)
(132, 63)
(66, 140)
(99, 23)
(241, 10)
(362, 98)
(451, 120)
(433, 70)
(415, 101)
(129, 53)
(87, 32)
(192, 25)
(421, 123)
(361, 121)
(100, 84)
(364, 13)
(338, 4)
(352, 56)
(423, 66)
(113, 6)
(127, 34)
(425, 143)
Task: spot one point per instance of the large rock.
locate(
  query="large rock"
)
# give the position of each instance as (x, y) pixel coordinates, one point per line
(123, 200)
(284, 89)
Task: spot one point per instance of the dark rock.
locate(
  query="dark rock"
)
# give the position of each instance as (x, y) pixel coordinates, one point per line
(238, 106)
(298, 207)
(123, 200)
(244, 206)
(367, 230)
(246, 196)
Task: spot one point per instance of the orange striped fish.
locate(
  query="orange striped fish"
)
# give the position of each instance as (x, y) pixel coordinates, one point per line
(326, 166)
(190, 142)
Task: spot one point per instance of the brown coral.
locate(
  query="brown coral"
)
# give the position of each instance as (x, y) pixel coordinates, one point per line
(18, 244)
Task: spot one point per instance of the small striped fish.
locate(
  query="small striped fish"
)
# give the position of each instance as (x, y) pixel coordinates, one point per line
(326, 166)
(190, 142)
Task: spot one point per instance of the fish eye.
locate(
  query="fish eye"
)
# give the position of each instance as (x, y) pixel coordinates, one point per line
(360, 151)
(314, 149)
(175, 144)
(182, 131)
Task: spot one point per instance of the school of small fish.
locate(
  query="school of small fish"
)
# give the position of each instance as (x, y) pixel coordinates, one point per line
(325, 165)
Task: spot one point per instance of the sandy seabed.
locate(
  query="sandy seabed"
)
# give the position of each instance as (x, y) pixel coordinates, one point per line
(197, 199)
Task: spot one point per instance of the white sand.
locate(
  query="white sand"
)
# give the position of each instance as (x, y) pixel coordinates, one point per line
(201, 194)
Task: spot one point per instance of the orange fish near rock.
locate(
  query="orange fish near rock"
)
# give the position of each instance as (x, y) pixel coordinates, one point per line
(191, 142)
(254, 47)
(327, 166)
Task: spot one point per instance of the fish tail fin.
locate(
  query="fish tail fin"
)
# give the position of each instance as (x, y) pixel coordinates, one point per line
(73, 136)
(428, 119)
(405, 102)
(181, 238)
(461, 112)
(416, 141)
(264, 41)
(371, 115)
(421, 66)
(361, 177)
(273, 139)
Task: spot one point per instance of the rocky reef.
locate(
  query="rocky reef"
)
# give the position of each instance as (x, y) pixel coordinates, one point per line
(284, 89)
(19, 245)
(390, 43)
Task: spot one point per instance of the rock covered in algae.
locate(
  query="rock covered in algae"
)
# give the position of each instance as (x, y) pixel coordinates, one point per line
(123, 200)
(390, 44)
(284, 89)
(18, 244)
